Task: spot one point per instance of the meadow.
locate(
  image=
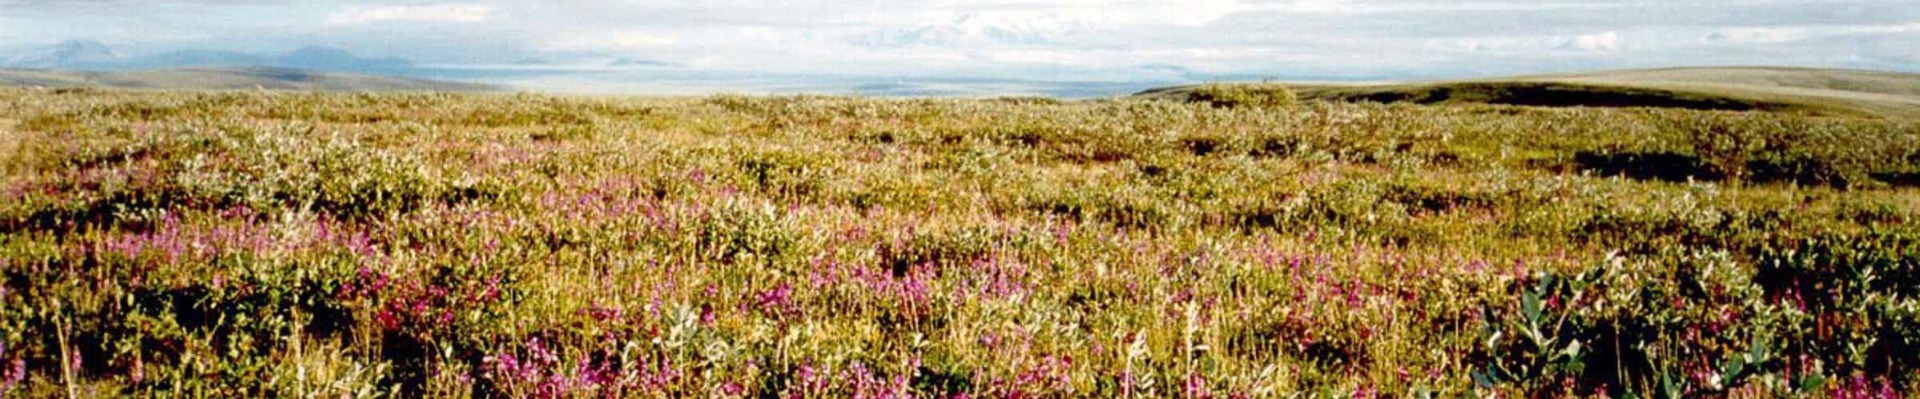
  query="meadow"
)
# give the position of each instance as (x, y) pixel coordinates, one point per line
(257, 244)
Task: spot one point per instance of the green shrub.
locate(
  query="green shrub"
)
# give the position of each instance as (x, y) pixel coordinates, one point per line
(1243, 95)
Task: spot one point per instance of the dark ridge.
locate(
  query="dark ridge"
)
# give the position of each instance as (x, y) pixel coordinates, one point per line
(1541, 94)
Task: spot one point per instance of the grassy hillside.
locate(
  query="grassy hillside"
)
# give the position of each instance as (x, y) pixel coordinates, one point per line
(250, 244)
(1793, 90)
(1834, 80)
(239, 78)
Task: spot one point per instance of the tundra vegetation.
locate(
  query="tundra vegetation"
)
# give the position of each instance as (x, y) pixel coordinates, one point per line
(440, 245)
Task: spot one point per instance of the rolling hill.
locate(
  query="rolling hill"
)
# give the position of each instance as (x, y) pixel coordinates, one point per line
(1798, 90)
(235, 78)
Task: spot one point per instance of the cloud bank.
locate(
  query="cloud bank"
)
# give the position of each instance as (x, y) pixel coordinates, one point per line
(1037, 39)
(437, 13)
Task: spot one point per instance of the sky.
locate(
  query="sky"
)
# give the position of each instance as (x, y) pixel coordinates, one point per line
(1046, 40)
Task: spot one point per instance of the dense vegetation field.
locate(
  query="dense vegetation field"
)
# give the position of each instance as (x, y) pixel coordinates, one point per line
(1827, 92)
(329, 245)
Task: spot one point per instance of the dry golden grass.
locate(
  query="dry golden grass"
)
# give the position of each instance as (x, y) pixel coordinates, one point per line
(9, 142)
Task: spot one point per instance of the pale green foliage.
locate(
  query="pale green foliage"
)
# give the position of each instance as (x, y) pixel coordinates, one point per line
(1243, 95)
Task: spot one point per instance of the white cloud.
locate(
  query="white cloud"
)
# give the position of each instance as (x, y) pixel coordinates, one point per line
(437, 13)
(1113, 14)
(1757, 35)
(1790, 34)
(1603, 42)
(1390, 39)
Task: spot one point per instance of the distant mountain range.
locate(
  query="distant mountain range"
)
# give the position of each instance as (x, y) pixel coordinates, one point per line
(73, 54)
(228, 78)
(92, 55)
